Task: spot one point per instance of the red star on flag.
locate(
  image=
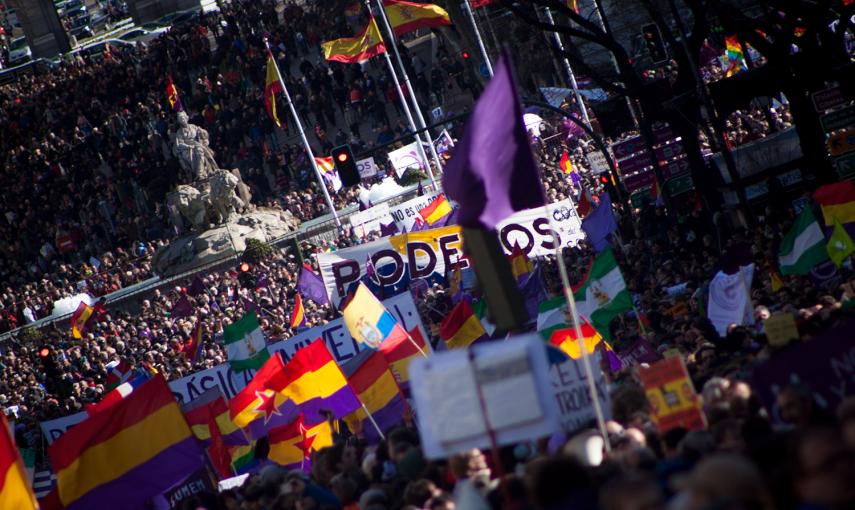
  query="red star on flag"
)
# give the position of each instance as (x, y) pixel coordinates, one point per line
(267, 406)
(306, 444)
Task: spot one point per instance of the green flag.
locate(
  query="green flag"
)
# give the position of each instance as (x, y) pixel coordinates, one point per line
(603, 295)
(802, 248)
(839, 245)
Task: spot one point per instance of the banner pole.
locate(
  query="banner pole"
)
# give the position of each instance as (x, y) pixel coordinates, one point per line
(371, 418)
(570, 75)
(419, 117)
(404, 103)
(478, 37)
(303, 136)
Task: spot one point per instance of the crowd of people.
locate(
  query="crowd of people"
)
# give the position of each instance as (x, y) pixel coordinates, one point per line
(87, 154)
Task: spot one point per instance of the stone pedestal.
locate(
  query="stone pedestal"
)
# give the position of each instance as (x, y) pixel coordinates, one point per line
(41, 25)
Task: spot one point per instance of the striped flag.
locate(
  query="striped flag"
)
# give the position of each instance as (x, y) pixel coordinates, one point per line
(272, 86)
(436, 210)
(369, 375)
(15, 492)
(80, 319)
(298, 314)
(245, 343)
(404, 17)
(355, 50)
(329, 173)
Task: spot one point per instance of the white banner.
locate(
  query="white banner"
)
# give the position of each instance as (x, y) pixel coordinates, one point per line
(370, 219)
(406, 157)
(729, 299)
(405, 213)
(399, 259)
(367, 168)
(598, 162)
(338, 340)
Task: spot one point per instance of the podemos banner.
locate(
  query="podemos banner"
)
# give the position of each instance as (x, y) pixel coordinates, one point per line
(397, 260)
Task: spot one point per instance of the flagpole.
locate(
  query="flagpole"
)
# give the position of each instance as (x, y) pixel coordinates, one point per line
(570, 75)
(419, 117)
(478, 37)
(371, 418)
(574, 314)
(303, 136)
(404, 103)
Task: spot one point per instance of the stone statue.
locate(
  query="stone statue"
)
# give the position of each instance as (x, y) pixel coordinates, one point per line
(190, 146)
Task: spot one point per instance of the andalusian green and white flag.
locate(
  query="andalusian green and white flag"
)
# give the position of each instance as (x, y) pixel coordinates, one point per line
(551, 315)
(603, 295)
(840, 245)
(804, 245)
(245, 343)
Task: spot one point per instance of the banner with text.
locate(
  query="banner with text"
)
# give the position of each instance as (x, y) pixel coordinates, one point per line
(400, 259)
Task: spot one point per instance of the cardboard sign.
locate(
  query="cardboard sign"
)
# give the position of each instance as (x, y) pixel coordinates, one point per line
(598, 162)
(494, 391)
(367, 168)
(672, 395)
(781, 329)
(573, 396)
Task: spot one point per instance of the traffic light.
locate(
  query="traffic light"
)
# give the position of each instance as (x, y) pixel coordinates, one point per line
(465, 55)
(654, 42)
(345, 164)
(246, 276)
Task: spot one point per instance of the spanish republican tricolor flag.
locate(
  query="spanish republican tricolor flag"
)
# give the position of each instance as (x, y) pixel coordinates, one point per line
(298, 314)
(172, 95)
(565, 164)
(370, 376)
(14, 486)
(438, 209)
(127, 454)
(272, 86)
(408, 16)
(566, 340)
(461, 327)
(292, 445)
(80, 319)
(354, 50)
(837, 202)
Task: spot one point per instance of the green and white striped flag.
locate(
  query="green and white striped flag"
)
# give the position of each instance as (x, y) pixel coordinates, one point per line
(551, 316)
(245, 343)
(603, 295)
(804, 245)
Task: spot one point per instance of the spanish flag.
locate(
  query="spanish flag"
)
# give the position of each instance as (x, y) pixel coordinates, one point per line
(298, 314)
(565, 164)
(461, 327)
(272, 86)
(837, 202)
(438, 209)
(354, 50)
(15, 489)
(80, 319)
(127, 454)
(311, 381)
(172, 95)
(292, 445)
(408, 16)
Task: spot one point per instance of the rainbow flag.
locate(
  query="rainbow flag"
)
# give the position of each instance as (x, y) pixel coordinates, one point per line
(243, 459)
(292, 445)
(436, 210)
(272, 86)
(127, 454)
(310, 382)
(369, 375)
(15, 491)
(80, 319)
(355, 50)
(461, 327)
(298, 314)
(735, 56)
(404, 17)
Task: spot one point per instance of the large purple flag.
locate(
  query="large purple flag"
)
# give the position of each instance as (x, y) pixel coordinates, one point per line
(493, 173)
(600, 223)
(533, 292)
(311, 286)
(182, 308)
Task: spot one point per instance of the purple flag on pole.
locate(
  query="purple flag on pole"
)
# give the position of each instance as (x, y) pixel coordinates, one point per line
(493, 173)
(388, 230)
(600, 223)
(311, 286)
(533, 292)
(181, 308)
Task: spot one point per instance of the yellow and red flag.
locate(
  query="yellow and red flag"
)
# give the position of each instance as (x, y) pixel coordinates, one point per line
(298, 314)
(172, 95)
(15, 489)
(405, 17)
(565, 163)
(354, 50)
(438, 209)
(272, 86)
(80, 319)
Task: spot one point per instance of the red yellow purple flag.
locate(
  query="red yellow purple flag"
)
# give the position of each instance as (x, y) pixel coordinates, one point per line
(15, 489)
(292, 445)
(298, 314)
(172, 95)
(80, 319)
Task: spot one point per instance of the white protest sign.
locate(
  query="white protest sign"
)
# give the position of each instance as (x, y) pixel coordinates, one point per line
(367, 168)
(370, 219)
(335, 334)
(598, 162)
(404, 214)
(404, 158)
(573, 396)
(503, 391)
